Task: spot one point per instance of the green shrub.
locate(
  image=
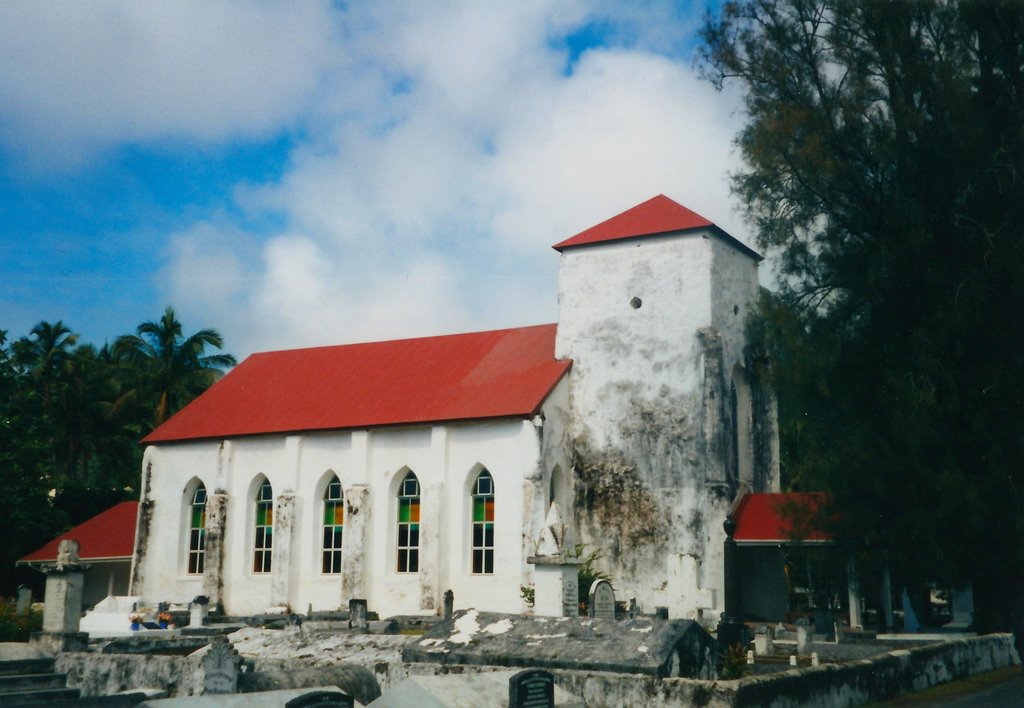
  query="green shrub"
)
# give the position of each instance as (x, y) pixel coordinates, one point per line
(17, 626)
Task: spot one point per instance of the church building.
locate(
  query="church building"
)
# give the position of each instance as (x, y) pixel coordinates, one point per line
(393, 471)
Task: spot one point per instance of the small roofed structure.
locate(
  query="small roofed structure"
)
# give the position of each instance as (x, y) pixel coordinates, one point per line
(786, 517)
(105, 542)
(767, 526)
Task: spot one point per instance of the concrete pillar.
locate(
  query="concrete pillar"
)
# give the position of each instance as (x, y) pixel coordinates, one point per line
(556, 586)
(62, 611)
(213, 559)
(886, 599)
(283, 551)
(449, 604)
(803, 635)
(433, 572)
(853, 592)
(355, 544)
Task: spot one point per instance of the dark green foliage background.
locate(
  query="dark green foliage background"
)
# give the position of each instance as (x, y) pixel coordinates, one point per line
(884, 172)
(71, 417)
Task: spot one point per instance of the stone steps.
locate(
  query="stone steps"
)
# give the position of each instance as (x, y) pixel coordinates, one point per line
(31, 682)
(17, 667)
(39, 697)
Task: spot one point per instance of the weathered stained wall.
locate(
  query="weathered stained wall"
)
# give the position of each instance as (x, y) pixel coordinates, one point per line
(370, 465)
(654, 327)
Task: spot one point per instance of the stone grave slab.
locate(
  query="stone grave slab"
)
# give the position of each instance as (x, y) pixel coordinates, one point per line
(638, 646)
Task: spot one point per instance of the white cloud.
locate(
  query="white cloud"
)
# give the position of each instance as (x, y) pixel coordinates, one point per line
(446, 147)
(77, 78)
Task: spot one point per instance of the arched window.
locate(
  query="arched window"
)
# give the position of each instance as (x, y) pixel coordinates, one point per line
(264, 539)
(197, 531)
(409, 525)
(334, 521)
(483, 524)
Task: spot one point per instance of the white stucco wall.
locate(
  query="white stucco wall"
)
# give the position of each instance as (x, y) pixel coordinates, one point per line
(650, 412)
(446, 460)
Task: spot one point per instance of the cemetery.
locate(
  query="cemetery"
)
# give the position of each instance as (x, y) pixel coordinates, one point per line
(585, 513)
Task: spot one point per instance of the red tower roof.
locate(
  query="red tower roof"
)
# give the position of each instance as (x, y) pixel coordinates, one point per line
(106, 536)
(502, 373)
(658, 215)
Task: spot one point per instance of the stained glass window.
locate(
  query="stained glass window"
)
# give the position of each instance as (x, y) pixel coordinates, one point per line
(334, 522)
(264, 541)
(409, 525)
(483, 524)
(197, 531)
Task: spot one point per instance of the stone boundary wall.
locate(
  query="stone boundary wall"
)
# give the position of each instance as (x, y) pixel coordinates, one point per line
(834, 685)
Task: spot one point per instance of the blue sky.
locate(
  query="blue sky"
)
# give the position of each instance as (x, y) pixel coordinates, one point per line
(311, 173)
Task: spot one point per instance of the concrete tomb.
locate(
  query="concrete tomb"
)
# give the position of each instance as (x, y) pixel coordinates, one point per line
(639, 646)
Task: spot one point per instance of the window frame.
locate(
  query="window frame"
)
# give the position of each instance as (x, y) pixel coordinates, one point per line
(195, 541)
(408, 525)
(331, 555)
(482, 500)
(263, 529)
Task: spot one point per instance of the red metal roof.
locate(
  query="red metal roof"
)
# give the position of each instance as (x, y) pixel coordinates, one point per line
(779, 518)
(502, 373)
(658, 215)
(106, 536)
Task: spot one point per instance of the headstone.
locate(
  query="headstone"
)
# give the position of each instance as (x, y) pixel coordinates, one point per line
(533, 688)
(792, 659)
(962, 607)
(570, 597)
(814, 658)
(357, 615)
(633, 609)
(763, 643)
(220, 667)
(24, 599)
(65, 581)
(910, 623)
(838, 629)
(803, 635)
(322, 699)
(602, 600)
(449, 604)
(750, 656)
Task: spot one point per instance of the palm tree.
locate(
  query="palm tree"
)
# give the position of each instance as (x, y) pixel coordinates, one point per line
(171, 369)
(44, 354)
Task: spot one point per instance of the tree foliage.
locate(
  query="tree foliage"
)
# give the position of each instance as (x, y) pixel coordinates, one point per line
(71, 417)
(884, 151)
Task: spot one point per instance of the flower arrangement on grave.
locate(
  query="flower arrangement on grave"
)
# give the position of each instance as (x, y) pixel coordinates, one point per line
(136, 620)
(164, 619)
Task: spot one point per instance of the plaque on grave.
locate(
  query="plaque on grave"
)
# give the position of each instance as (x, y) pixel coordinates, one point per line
(322, 699)
(220, 668)
(533, 688)
(602, 600)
